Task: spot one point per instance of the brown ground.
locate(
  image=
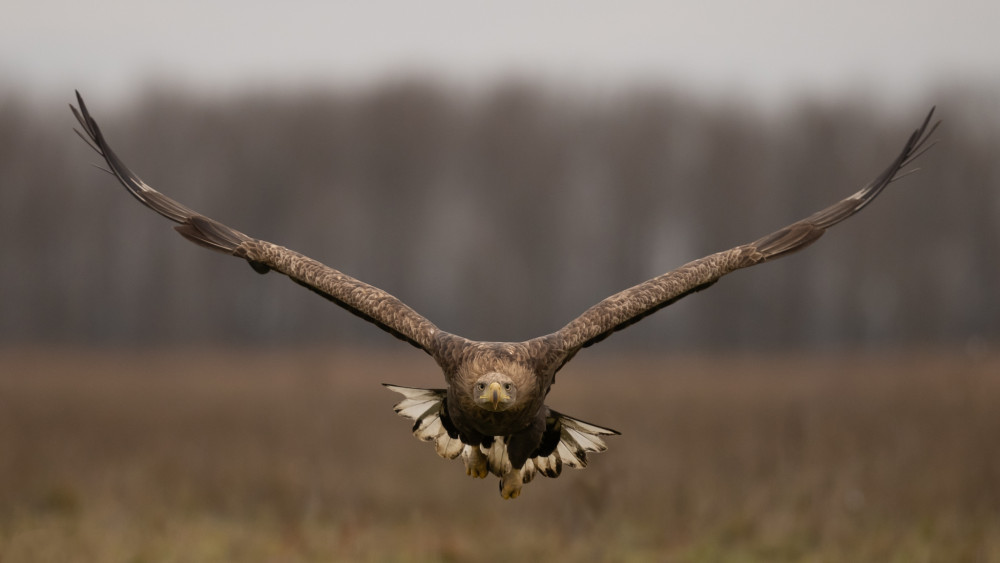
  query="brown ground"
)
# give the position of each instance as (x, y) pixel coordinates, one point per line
(181, 455)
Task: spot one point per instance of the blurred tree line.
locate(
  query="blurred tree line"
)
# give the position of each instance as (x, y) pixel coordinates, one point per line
(500, 215)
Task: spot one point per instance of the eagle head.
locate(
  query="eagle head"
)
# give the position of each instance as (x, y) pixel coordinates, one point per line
(494, 392)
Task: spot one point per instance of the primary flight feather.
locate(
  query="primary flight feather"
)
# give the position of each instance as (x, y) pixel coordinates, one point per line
(492, 412)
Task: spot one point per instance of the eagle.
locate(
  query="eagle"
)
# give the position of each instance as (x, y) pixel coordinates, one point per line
(492, 411)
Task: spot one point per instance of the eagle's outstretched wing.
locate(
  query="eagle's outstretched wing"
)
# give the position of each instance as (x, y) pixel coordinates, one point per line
(634, 304)
(368, 302)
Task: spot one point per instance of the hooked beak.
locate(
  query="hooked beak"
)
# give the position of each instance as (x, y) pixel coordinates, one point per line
(494, 394)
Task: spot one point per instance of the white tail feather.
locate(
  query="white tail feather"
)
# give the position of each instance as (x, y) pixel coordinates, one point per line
(576, 438)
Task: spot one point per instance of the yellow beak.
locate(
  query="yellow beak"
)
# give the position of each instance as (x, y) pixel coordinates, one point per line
(495, 393)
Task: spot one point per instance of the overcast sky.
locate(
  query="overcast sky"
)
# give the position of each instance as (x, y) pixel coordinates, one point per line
(766, 49)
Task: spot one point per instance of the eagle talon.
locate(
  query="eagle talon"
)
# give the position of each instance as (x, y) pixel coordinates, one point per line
(510, 484)
(476, 465)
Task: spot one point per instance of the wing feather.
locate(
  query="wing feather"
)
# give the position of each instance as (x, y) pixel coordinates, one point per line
(426, 408)
(365, 301)
(416, 402)
(634, 304)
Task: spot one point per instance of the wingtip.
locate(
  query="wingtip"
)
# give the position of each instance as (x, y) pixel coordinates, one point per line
(79, 100)
(927, 128)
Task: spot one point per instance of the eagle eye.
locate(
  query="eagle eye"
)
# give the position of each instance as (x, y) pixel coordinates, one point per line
(507, 386)
(481, 386)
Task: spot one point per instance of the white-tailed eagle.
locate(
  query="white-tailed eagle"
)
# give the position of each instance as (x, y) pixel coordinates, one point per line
(492, 411)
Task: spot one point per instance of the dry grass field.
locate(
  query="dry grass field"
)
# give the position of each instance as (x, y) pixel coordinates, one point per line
(209, 455)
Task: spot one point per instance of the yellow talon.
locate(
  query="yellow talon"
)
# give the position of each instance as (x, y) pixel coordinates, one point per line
(510, 484)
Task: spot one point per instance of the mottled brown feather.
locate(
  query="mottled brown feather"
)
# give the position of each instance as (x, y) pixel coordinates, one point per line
(633, 304)
(545, 354)
(530, 365)
(366, 301)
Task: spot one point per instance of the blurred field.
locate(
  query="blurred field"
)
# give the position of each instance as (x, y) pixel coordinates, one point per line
(237, 455)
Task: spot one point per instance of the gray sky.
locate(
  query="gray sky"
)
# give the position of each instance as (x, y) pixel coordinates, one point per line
(766, 49)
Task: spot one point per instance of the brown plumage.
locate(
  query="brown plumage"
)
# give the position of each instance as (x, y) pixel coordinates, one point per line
(492, 412)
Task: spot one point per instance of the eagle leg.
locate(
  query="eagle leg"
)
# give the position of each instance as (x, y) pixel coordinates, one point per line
(511, 482)
(476, 464)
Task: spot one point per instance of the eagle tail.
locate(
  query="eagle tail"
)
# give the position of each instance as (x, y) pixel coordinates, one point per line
(565, 442)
